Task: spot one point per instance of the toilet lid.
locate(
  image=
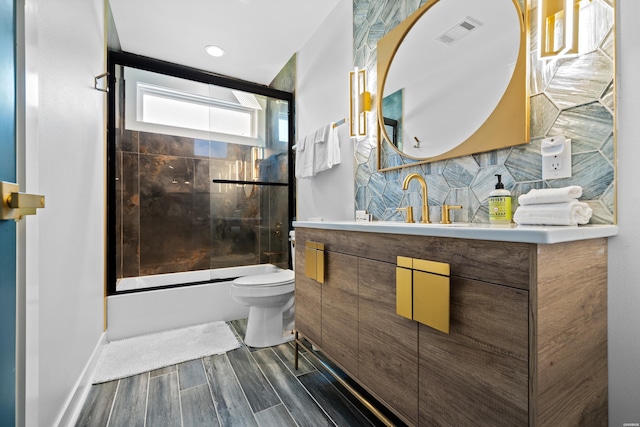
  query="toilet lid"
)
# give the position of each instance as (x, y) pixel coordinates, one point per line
(269, 279)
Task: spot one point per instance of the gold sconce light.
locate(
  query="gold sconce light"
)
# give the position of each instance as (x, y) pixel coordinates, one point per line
(359, 103)
(558, 27)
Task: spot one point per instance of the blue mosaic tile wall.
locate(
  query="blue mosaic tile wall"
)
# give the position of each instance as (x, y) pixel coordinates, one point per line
(573, 97)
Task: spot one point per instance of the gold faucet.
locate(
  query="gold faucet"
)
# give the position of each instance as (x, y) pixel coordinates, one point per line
(445, 219)
(425, 200)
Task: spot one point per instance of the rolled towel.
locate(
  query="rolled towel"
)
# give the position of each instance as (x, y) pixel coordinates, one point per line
(568, 213)
(550, 195)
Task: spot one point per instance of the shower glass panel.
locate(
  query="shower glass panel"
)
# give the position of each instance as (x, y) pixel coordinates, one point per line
(201, 176)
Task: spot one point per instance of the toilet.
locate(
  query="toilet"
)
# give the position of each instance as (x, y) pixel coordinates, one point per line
(270, 298)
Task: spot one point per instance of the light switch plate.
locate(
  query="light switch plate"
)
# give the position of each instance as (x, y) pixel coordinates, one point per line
(556, 157)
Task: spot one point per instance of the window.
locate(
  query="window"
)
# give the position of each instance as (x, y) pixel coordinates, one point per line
(158, 103)
(168, 107)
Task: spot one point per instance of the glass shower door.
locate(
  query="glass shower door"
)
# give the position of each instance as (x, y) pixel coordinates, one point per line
(201, 176)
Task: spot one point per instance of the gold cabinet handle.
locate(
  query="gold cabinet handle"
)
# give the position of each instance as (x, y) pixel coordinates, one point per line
(15, 205)
(314, 261)
(423, 292)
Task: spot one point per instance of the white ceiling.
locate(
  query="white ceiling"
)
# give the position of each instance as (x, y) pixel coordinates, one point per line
(259, 36)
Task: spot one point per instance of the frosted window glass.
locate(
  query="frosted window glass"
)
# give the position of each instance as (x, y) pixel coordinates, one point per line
(189, 115)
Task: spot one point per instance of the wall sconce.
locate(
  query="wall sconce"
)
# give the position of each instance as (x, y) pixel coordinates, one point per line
(558, 27)
(359, 103)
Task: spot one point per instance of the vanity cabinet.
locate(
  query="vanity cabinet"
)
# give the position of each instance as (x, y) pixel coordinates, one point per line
(388, 343)
(340, 310)
(479, 370)
(527, 342)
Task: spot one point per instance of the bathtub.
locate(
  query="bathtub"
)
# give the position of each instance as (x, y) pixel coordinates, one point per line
(153, 310)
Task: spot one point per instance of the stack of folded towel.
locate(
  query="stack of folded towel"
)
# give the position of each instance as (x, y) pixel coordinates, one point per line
(552, 206)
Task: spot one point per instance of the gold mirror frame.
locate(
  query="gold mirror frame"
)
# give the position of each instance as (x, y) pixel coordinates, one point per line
(506, 126)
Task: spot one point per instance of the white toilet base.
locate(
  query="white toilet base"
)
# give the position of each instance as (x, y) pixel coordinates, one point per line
(265, 328)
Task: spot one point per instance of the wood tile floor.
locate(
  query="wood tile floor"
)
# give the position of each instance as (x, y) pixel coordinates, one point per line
(245, 387)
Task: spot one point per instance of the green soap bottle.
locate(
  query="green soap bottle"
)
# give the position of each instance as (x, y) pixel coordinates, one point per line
(500, 204)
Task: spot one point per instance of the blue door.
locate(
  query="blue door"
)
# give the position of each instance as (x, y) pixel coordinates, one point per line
(7, 228)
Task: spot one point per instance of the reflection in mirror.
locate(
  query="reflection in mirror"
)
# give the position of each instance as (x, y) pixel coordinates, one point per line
(453, 78)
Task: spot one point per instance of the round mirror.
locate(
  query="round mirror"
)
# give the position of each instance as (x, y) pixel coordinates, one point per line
(446, 71)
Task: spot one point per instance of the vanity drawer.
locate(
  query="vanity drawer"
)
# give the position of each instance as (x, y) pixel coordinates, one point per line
(504, 263)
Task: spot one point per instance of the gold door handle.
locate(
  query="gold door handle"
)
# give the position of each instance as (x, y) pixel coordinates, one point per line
(15, 205)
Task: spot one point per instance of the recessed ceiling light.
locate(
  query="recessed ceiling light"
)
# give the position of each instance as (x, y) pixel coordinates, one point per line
(214, 50)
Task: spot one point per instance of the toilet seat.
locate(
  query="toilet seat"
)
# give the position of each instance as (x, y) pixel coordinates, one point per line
(264, 285)
(284, 277)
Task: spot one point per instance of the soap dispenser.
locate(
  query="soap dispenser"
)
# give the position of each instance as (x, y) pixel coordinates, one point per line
(500, 204)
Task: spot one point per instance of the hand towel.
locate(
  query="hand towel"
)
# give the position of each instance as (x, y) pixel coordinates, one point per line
(321, 152)
(304, 156)
(567, 213)
(326, 148)
(550, 195)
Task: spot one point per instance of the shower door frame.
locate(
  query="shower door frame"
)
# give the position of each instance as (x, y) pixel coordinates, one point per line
(114, 59)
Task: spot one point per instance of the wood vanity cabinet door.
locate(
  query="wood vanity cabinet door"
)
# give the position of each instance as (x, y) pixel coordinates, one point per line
(308, 300)
(388, 342)
(340, 310)
(478, 374)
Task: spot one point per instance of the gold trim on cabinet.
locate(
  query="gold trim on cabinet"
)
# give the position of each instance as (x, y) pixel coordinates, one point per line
(432, 267)
(423, 292)
(431, 300)
(404, 292)
(405, 262)
(320, 265)
(314, 261)
(338, 377)
(310, 261)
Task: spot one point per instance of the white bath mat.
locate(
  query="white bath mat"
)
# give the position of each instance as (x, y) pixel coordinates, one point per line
(131, 356)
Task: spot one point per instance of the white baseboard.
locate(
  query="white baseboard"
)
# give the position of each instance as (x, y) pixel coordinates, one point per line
(75, 401)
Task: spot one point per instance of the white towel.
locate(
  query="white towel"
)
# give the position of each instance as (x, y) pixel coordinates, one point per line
(304, 156)
(550, 195)
(326, 149)
(568, 213)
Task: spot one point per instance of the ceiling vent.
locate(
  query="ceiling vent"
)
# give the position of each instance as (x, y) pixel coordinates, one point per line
(459, 30)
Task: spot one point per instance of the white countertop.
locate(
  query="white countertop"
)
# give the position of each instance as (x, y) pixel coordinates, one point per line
(503, 233)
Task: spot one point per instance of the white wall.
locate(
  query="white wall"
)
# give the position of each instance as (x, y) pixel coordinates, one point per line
(624, 270)
(64, 151)
(322, 96)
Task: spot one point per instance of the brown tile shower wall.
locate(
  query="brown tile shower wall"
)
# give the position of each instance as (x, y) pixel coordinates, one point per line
(171, 218)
